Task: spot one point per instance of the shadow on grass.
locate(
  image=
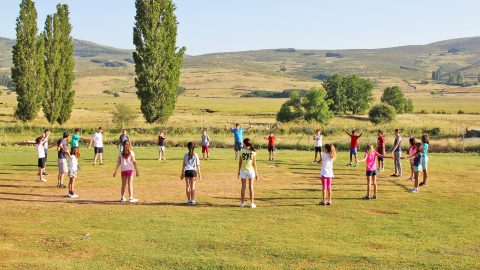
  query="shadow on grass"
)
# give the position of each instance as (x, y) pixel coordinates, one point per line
(22, 186)
(28, 194)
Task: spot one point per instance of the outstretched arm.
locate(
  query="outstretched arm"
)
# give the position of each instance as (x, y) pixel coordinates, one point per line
(347, 132)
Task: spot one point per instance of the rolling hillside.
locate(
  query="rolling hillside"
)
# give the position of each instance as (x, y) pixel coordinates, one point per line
(406, 62)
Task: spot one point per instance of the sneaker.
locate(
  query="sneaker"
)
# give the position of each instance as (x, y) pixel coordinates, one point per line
(349, 164)
(253, 205)
(322, 203)
(423, 184)
(69, 195)
(374, 197)
(314, 162)
(74, 196)
(414, 190)
(242, 205)
(329, 203)
(123, 199)
(159, 159)
(394, 175)
(101, 164)
(133, 200)
(189, 202)
(356, 165)
(164, 158)
(193, 202)
(43, 180)
(366, 198)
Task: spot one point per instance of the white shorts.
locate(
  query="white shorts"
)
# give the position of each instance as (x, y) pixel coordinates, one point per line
(161, 148)
(247, 175)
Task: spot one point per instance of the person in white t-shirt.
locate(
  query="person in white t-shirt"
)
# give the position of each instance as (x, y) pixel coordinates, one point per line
(318, 140)
(326, 159)
(45, 135)
(126, 161)
(41, 157)
(72, 172)
(97, 141)
(190, 172)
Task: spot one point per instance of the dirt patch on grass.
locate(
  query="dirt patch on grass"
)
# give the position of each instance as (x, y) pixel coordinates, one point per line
(380, 212)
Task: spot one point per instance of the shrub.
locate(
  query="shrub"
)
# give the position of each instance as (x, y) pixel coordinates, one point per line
(395, 97)
(116, 94)
(461, 112)
(123, 116)
(381, 114)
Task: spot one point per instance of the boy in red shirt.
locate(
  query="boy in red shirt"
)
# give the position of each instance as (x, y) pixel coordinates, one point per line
(271, 146)
(353, 146)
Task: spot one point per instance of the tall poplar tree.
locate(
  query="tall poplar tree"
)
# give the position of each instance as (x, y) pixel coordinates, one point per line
(67, 64)
(28, 63)
(157, 59)
(52, 104)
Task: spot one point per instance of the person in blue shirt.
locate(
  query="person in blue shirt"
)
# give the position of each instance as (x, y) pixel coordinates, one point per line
(238, 137)
(75, 142)
(426, 146)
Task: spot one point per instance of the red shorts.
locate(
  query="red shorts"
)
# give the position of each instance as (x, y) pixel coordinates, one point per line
(204, 149)
(127, 173)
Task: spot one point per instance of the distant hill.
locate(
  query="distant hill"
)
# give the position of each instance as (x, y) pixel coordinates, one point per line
(410, 62)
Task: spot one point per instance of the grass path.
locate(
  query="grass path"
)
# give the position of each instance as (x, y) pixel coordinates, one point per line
(435, 229)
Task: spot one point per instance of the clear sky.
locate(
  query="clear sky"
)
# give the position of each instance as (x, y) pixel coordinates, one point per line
(208, 26)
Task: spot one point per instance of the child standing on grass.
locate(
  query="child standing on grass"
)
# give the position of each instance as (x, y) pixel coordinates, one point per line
(397, 154)
(190, 171)
(97, 141)
(271, 146)
(417, 165)
(318, 139)
(76, 139)
(205, 141)
(247, 169)
(326, 159)
(381, 149)
(127, 162)
(161, 146)
(426, 148)
(72, 172)
(62, 153)
(41, 157)
(411, 152)
(371, 166)
(353, 146)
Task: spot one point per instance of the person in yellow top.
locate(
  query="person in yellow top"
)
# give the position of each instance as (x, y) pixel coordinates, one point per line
(247, 169)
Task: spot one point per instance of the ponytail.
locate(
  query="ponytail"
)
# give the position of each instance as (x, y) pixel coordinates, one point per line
(191, 150)
(331, 150)
(248, 143)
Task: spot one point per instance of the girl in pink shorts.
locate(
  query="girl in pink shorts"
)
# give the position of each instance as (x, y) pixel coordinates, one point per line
(371, 167)
(127, 162)
(326, 159)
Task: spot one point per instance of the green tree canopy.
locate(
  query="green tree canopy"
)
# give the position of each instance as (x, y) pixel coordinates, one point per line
(28, 63)
(157, 59)
(350, 94)
(381, 114)
(313, 107)
(395, 98)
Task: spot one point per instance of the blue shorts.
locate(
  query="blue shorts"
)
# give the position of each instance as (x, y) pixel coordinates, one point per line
(237, 146)
(353, 151)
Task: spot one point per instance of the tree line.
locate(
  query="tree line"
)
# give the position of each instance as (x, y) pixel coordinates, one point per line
(344, 95)
(43, 65)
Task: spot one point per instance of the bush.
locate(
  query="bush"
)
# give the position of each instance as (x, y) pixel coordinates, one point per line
(461, 112)
(272, 94)
(395, 97)
(381, 114)
(116, 94)
(124, 116)
(313, 107)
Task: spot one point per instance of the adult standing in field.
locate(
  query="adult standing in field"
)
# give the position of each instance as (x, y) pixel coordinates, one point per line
(45, 135)
(97, 141)
(397, 153)
(76, 137)
(381, 149)
(123, 139)
(161, 146)
(353, 146)
(318, 140)
(62, 153)
(238, 138)
(205, 142)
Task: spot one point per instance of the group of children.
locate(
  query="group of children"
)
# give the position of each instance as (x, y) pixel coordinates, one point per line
(245, 152)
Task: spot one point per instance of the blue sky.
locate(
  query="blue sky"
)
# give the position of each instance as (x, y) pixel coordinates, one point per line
(208, 26)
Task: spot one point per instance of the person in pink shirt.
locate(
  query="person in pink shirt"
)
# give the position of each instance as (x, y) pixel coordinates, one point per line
(370, 159)
(412, 150)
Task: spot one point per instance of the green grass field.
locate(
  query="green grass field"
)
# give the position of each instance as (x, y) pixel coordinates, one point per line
(435, 229)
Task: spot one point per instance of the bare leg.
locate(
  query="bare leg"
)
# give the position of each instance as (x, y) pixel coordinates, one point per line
(356, 159)
(124, 185)
(416, 180)
(95, 159)
(40, 173)
(130, 186)
(374, 178)
(425, 176)
(187, 188)
(236, 155)
(71, 185)
(369, 180)
(250, 187)
(192, 188)
(101, 158)
(329, 196)
(242, 192)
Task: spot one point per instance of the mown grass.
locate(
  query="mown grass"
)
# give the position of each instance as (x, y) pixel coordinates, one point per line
(435, 229)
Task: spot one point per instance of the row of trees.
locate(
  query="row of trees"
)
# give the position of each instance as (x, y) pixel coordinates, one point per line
(342, 95)
(43, 65)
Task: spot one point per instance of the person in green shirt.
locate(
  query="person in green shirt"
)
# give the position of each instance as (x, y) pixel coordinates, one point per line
(247, 169)
(75, 142)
